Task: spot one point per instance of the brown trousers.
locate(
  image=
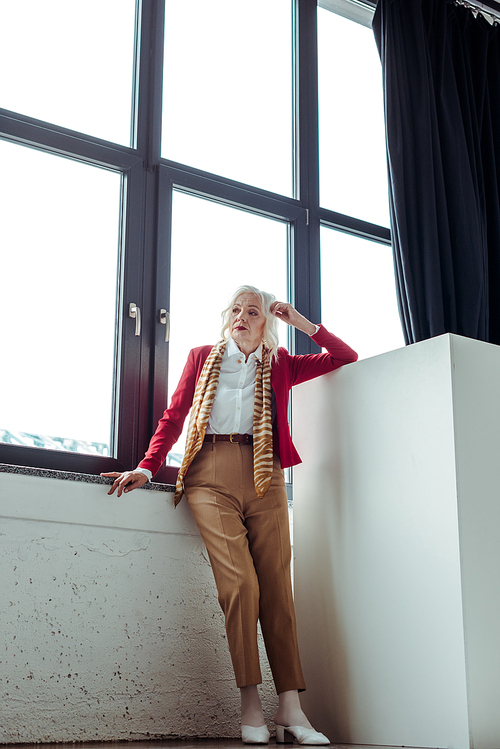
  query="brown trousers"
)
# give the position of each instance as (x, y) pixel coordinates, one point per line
(248, 542)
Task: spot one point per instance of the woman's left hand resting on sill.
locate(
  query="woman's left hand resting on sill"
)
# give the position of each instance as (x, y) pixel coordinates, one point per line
(126, 481)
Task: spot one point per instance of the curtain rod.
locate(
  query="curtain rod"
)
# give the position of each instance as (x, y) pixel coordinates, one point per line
(487, 11)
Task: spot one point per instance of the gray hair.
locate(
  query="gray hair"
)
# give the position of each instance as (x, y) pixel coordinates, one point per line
(270, 335)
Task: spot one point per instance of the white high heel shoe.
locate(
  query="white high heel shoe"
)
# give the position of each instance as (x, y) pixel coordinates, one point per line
(255, 734)
(287, 734)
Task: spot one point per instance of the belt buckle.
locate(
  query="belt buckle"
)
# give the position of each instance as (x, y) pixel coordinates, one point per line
(235, 442)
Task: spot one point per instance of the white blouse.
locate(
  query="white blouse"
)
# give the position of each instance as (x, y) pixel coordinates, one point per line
(232, 409)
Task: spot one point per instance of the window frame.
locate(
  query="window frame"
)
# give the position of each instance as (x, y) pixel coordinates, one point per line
(27, 132)
(149, 180)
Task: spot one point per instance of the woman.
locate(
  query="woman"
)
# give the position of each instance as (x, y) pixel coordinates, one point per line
(237, 446)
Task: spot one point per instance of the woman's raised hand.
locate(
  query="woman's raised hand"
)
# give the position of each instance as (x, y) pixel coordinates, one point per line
(289, 314)
(126, 481)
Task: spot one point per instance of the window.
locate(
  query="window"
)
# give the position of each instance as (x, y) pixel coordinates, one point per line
(353, 172)
(70, 64)
(229, 248)
(59, 301)
(108, 227)
(358, 294)
(227, 108)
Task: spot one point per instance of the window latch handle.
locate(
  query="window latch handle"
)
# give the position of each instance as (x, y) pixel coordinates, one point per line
(135, 312)
(165, 320)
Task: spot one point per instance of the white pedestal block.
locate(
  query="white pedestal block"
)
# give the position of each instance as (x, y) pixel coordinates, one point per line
(397, 546)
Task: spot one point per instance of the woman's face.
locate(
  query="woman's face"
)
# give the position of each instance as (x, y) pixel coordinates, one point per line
(247, 322)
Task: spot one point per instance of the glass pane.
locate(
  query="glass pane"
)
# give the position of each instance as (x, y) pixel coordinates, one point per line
(228, 248)
(70, 63)
(358, 294)
(227, 97)
(353, 171)
(59, 224)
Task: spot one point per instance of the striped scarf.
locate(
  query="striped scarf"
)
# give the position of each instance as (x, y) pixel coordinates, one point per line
(262, 421)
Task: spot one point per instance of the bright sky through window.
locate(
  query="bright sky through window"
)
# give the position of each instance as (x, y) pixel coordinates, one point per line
(59, 301)
(227, 108)
(229, 248)
(353, 169)
(70, 63)
(358, 292)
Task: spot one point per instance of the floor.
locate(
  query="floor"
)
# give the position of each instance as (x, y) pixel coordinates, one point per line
(173, 744)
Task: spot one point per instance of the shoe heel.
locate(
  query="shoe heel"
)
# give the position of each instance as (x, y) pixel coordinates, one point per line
(283, 736)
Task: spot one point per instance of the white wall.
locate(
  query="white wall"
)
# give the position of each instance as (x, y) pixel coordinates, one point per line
(396, 537)
(476, 379)
(110, 621)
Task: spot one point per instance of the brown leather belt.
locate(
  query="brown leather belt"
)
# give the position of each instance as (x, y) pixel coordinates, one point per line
(243, 439)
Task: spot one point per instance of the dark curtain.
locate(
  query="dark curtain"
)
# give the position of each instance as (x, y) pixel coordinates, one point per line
(441, 71)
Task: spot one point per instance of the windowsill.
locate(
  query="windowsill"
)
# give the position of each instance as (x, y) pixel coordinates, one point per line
(86, 478)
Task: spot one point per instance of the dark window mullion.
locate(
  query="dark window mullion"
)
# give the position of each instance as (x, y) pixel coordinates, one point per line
(59, 141)
(355, 226)
(306, 279)
(150, 82)
(149, 77)
(159, 374)
(236, 196)
(130, 354)
(307, 109)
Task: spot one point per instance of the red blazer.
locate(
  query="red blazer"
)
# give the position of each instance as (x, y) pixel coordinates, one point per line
(286, 372)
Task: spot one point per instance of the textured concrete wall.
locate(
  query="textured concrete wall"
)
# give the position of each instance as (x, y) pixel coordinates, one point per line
(109, 619)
